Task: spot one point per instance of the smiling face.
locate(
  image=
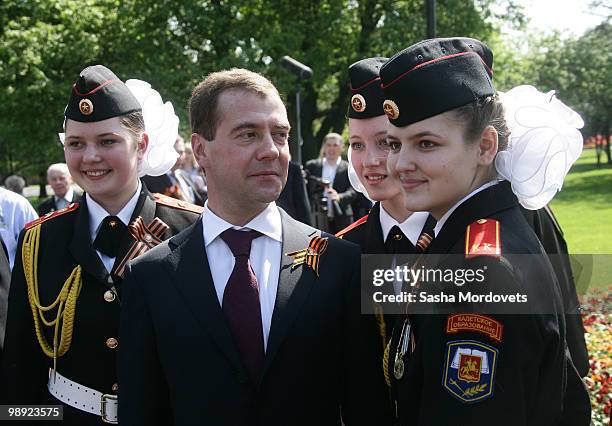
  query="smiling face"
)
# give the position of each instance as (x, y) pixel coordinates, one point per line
(246, 163)
(434, 163)
(369, 157)
(103, 159)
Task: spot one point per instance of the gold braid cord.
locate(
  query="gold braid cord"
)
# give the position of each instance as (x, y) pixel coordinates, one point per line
(65, 301)
(386, 364)
(382, 329)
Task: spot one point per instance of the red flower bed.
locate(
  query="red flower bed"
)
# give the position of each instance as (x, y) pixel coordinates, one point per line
(597, 318)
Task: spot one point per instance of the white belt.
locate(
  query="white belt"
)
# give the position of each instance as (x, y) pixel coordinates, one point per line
(84, 398)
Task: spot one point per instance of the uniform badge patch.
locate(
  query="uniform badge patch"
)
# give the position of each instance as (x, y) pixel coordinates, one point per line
(475, 323)
(469, 370)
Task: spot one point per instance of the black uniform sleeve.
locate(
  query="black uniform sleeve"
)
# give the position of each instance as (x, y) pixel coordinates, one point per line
(5, 280)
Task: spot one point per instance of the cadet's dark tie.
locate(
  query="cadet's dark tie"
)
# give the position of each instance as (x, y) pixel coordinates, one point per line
(110, 236)
(397, 242)
(241, 302)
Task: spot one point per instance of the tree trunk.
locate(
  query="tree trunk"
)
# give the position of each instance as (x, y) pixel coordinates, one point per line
(42, 192)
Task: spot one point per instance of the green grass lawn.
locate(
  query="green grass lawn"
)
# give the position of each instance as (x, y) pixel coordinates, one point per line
(584, 210)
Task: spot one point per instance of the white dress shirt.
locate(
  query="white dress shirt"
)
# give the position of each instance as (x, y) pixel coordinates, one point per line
(444, 218)
(329, 173)
(411, 227)
(97, 215)
(15, 212)
(265, 257)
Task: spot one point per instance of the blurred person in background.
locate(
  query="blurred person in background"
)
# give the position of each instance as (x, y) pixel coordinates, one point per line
(176, 183)
(339, 193)
(15, 183)
(58, 177)
(15, 212)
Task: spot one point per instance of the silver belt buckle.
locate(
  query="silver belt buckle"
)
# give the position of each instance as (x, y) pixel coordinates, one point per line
(105, 398)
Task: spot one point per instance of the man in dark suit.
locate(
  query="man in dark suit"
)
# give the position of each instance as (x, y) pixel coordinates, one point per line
(248, 317)
(340, 195)
(60, 180)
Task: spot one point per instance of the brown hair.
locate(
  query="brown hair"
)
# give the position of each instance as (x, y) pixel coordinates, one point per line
(203, 110)
(486, 111)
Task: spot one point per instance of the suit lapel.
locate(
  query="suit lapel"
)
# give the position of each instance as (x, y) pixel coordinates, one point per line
(293, 285)
(81, 248)
(189, 265)
(339, 175)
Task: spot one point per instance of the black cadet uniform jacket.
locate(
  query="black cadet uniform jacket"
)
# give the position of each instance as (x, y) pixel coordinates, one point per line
(466, 366)
(367, 233)
(91, 358)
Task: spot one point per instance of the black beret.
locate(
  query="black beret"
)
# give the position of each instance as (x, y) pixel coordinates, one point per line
(98, 94)
(366, 95)
(435, 76)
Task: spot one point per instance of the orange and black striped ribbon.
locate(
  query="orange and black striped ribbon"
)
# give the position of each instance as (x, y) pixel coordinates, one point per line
(311, 255)
(424, 241)
(146, 237)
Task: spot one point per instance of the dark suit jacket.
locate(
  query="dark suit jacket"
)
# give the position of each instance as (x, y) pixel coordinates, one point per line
(294, 198)
(341, 184)
(49, 205)
(178, 360)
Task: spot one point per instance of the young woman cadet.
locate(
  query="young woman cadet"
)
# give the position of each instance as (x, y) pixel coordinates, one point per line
(474, 361)
(389, 228)
(61, 340)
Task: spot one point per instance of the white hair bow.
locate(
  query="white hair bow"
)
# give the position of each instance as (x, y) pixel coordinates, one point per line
(544, 142)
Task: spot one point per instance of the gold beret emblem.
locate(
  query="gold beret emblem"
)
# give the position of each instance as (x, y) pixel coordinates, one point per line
(391, 109)
(86, 107)
(358, 103)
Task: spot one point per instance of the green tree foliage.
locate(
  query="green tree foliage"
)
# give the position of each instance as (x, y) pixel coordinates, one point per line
(578, 69)
(43, 45)
(172, 44)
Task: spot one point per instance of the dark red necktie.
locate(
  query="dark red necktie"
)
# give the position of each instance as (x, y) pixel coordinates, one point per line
(241, 302)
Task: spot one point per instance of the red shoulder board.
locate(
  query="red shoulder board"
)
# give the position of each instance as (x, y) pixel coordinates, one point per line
(69, 208)
(177, 204)
(482, 239)
(352, 226)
